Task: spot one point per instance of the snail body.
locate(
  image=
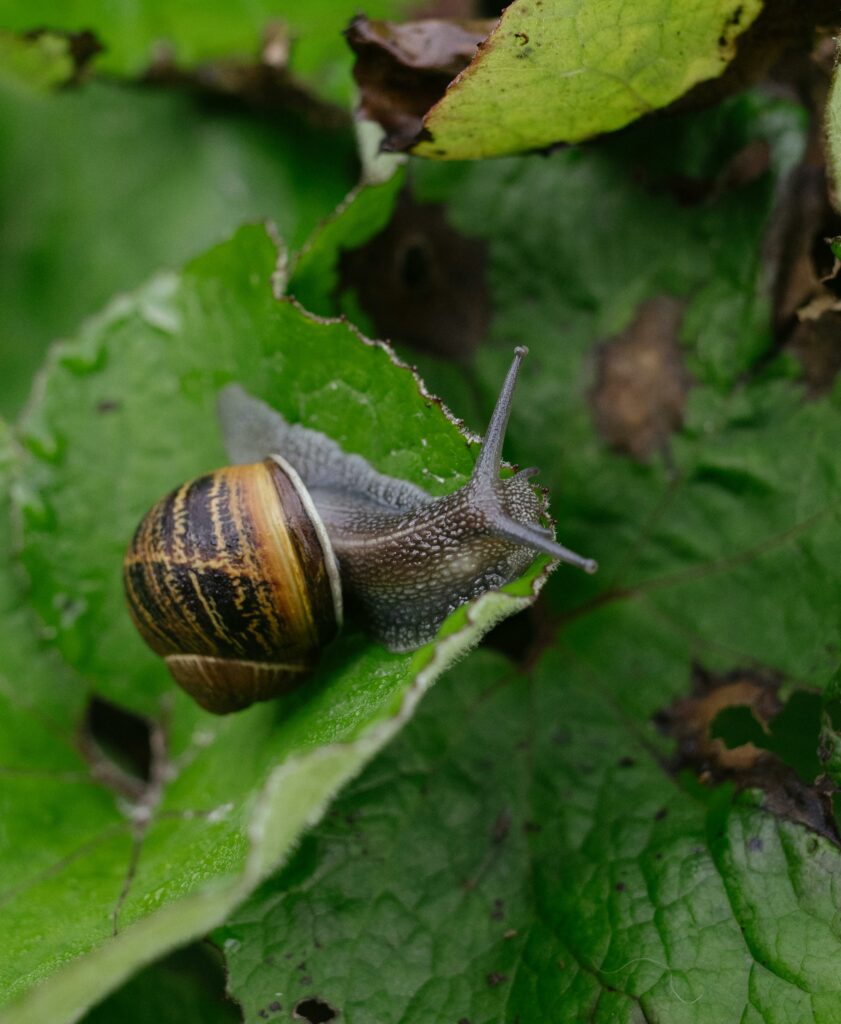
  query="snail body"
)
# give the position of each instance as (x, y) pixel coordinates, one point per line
(238, 578)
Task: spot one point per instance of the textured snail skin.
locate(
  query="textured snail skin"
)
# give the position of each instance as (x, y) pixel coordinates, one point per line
(227, 579)
(407, 572)
(237, 578)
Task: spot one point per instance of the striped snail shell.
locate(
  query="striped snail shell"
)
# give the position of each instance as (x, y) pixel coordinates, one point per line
(232, 579)
(237, 579)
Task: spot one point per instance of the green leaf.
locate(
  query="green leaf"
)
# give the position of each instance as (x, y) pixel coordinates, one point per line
(563, 71)
(134, 35)
(736, 504)
(524, 852)
(124, 412)
(534, 846)
(735, 482)
(155, 211)
(575, 242)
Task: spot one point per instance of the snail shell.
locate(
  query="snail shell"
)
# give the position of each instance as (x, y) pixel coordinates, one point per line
(232, 579)
(237, 578)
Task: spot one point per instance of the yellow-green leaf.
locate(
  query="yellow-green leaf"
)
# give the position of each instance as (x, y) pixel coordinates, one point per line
(565, 70)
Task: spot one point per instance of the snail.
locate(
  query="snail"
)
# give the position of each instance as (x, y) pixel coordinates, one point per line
(238, 578)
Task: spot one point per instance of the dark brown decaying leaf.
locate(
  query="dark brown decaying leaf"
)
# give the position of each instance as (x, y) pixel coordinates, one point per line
(422, 282)
(689, 721)
(802, 219)
(806, 289)
(641, 382)
(817, 344)
(403, 70)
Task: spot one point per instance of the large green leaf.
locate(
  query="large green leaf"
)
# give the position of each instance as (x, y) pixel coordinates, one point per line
(112, 203)
(135, 34)
(124, 412)
(567, 275)
(524, 853)
(630, 888)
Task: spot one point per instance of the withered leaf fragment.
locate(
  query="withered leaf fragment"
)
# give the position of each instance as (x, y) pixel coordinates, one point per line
(403, 70)
(691, 722)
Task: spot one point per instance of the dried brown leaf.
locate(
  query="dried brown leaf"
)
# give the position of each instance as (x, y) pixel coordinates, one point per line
(690, 720)
(403, 70)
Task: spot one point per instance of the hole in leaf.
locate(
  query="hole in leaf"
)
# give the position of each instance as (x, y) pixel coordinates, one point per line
(793, 733)
(314, 1010)
(737, 726)
(121, 736)
(734, 729)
